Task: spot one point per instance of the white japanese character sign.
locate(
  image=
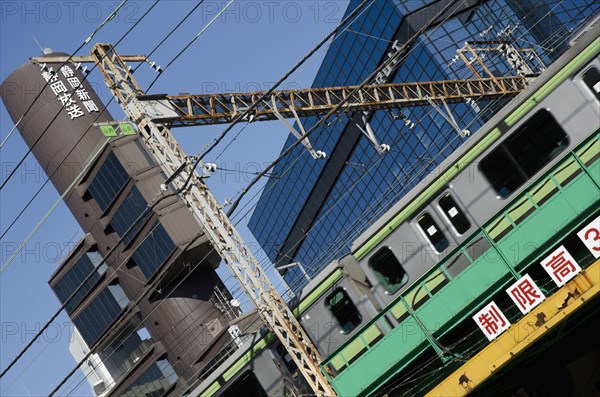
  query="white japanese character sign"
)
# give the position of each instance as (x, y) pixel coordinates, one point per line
(74, 111)
(82, 94)
(67, 71)
(590, 235)
(65, 99)
(49, 76)
(561, 266)
(74, 82)
(58, 87)
(90, 106)
(525, 293)
(491, 321)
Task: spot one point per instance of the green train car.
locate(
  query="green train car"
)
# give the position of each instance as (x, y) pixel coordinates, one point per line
(396, 316)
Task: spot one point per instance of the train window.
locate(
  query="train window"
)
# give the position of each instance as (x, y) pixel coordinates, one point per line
(388, 270)
(533, 145)
(344, 310)
(432, 232)
(591, 78)
(454, 213)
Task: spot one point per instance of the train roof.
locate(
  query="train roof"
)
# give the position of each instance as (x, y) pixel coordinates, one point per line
(584, 39)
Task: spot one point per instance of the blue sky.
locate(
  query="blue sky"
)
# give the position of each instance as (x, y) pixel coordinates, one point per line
(251, 46)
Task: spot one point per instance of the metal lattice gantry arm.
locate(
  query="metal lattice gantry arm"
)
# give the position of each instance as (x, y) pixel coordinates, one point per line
(191, 110)
(214, 222)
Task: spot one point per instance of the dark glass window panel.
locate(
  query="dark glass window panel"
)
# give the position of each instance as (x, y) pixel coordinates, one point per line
(344, 310)
(152, 252)
(131, 208)
(388, 270)
(109, 180)
(591, 78)
(432, 232)
(74, 277)
(247, 385)
(533, 145)
(501, 172)
(278, 207)
(455, 214)
(95, 318)
(537, 142)
(154, 382)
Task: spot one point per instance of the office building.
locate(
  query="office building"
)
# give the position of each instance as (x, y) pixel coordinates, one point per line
(151, 317)
(311, 210)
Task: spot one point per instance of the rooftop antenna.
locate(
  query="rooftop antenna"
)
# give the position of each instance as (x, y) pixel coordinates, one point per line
(46, 50)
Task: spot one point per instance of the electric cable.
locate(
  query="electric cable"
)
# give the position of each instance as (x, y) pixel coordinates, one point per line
(208, 25)
(386, 63)
(78, 141)
(145, 212)
(56, 204)
(248, 111)
(90, 37)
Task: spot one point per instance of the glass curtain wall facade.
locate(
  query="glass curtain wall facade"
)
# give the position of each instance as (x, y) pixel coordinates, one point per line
(313, 210)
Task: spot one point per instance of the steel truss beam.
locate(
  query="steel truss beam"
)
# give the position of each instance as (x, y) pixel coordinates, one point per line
(214, 222)
(191, 110)
(153, 114)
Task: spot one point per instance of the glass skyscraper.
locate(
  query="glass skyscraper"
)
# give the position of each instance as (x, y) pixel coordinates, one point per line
(313, 210)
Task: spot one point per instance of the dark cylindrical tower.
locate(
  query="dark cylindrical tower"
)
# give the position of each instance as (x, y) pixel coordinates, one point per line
(59, 126)
(183, 320)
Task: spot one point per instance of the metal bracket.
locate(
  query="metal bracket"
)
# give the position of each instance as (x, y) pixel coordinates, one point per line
(370, 135)
(447, 115)
(316, 154)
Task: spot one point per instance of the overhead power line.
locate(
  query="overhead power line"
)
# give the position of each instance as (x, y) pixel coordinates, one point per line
(400, 52)
(89, 38)
(305, 58)
(104, 108)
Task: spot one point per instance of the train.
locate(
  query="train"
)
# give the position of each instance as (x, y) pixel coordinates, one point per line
(395, 315)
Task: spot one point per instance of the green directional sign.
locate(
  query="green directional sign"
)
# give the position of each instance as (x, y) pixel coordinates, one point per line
(126, 129)
(108, 131)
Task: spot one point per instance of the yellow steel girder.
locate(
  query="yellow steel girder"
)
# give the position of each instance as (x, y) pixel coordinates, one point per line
(529, 329)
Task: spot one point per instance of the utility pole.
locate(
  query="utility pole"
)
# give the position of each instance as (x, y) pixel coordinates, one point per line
(214, 222)
(152, 115)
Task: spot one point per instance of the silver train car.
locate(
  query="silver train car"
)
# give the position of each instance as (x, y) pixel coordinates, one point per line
(439, 220)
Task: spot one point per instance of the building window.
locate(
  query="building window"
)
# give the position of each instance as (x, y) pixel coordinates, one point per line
(533, 145)
(591, 78)
(95, 318)
(454, 213)
(432, 232)
(109, 180)
(152, 252)
(154, 382)
(131, 208)
(344, 310)
(86, 265)
(388, 270)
